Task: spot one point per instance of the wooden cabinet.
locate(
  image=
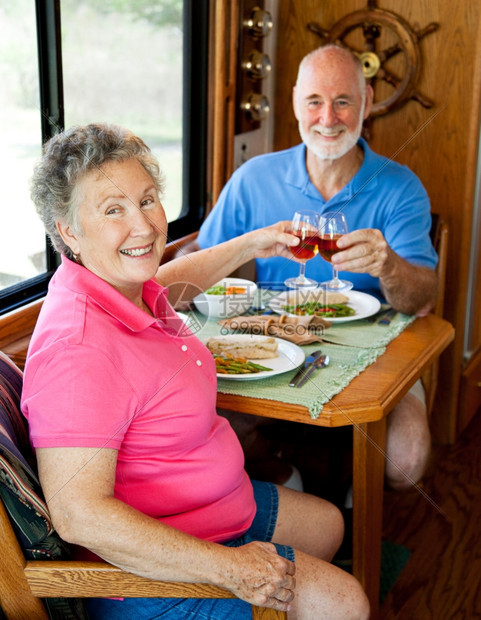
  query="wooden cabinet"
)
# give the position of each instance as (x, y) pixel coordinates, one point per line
(470, 390)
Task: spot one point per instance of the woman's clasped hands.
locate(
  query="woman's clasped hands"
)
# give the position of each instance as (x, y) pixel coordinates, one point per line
(262, 577)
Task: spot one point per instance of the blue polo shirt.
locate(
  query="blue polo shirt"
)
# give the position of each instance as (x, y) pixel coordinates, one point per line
(268, 188)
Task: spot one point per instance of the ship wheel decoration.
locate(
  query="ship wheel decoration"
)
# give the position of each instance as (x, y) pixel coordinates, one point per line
(371, 21)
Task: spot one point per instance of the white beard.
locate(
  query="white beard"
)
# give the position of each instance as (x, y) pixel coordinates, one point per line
(337, 149)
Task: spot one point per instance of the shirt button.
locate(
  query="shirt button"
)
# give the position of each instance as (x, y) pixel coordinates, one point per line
(184, 347)
(199, 363)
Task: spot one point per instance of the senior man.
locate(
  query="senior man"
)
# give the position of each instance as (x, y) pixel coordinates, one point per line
(388, 252)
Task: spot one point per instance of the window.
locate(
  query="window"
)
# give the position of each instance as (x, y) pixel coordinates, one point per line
(22, 239)
(138, 63)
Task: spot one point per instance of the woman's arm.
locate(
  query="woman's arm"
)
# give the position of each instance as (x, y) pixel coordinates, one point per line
(78, 484)
(205, 267)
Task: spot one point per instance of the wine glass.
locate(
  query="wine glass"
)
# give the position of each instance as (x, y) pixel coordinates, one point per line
(305, 226)
(332, 225)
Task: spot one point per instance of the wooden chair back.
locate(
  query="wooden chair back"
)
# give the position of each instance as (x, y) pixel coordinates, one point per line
(25, 582)
(439, 238)
(173, 247)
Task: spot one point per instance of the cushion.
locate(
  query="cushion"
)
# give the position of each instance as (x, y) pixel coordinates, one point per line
(20, 489)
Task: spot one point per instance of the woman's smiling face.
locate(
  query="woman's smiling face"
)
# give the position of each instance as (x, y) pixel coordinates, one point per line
(122, 225)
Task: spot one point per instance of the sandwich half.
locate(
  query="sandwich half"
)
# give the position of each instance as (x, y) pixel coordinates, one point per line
(254, 348)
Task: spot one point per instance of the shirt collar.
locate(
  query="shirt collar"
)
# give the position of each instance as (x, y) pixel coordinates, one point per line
(297, 175)
(83, 282)
(365, 178)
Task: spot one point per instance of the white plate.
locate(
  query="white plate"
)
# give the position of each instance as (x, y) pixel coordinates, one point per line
(364, 305)
(289, 357)
(186, 319)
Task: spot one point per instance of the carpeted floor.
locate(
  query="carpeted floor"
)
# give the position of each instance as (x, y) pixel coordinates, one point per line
(393, 559)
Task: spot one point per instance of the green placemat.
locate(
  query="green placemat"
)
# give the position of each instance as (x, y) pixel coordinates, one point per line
(367, 334)
(359, 344)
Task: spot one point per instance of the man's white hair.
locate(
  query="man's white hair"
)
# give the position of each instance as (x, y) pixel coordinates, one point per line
(349, 56)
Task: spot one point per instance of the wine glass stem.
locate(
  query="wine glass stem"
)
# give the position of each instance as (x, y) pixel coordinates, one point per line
(302, 272)
(335, 277)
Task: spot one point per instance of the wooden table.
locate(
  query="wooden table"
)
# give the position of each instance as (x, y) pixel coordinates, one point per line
(364, 404)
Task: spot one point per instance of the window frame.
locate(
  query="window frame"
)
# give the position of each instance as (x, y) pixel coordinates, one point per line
(194, 131)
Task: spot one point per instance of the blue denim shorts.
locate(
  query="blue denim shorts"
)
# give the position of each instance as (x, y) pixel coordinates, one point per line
(262, 529)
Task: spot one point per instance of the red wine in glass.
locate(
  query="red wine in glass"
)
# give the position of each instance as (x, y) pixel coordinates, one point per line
(305, 225)
(307, 248)
(327, 245)
(332, 225)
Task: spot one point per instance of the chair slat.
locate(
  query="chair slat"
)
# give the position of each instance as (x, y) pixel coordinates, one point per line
(92, 579)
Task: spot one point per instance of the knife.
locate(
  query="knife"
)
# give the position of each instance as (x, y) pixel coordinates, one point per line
(307, 364)
(321, 362)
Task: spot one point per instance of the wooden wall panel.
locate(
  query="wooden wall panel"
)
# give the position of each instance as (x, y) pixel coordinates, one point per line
(222, 63)
(439, 144)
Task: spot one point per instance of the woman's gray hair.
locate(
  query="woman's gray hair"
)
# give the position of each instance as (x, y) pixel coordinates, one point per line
(67, 158)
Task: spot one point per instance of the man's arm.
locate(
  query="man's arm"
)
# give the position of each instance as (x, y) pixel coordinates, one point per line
(408, 288)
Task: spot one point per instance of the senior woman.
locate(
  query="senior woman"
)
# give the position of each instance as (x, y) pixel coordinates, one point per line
(135, 463)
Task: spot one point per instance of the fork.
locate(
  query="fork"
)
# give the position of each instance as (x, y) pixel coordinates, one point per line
(388, 317)
(374, 318)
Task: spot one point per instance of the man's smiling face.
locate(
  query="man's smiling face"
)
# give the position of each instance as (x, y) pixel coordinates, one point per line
(330, 102)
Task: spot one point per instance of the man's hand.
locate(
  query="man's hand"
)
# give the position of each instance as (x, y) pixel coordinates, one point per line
(408, 288)
(364, 251)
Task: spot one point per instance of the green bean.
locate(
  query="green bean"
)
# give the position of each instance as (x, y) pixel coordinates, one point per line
(233, 365)
(315, 308)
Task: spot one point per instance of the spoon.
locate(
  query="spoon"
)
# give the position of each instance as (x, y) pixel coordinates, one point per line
(321, 362)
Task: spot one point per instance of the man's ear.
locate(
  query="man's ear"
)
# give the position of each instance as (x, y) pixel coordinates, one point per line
(369, 98)
(294, 102)
(68, 236)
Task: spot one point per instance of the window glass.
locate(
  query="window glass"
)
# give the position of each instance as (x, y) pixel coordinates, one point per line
(122, 63)
(22, 237)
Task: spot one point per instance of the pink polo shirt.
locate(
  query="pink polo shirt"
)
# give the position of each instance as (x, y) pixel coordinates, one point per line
(102, 373)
